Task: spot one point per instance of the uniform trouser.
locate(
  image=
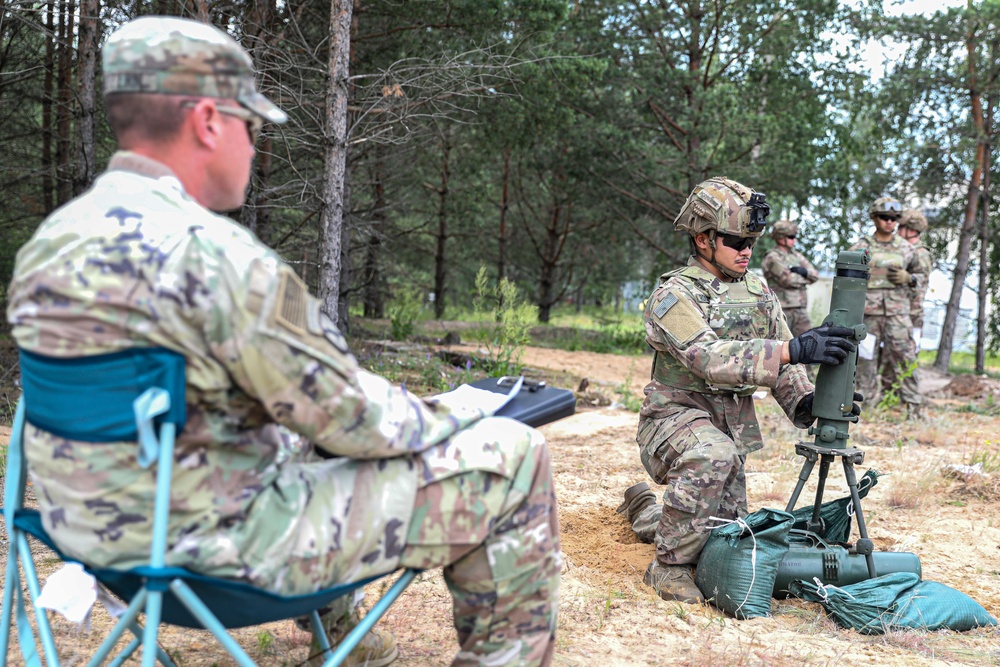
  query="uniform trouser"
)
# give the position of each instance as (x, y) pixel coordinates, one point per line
(505, 587)
(705, 479)
(895, 350)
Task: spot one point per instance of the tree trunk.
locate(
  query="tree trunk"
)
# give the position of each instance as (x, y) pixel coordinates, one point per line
(943, 358)
(64, 118)
(374, 280)
(334, 157)
(86, 167)
(442, 232)
(984, 244)
(504, 207)
(48, 95)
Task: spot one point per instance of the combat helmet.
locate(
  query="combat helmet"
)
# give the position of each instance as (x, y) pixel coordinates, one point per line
(723, 206)
(783, 229)
(885, 206)
(914, 219)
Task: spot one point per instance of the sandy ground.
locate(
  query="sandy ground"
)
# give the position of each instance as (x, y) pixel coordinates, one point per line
(609, 617)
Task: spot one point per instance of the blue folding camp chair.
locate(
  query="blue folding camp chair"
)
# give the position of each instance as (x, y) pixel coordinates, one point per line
(138, 395)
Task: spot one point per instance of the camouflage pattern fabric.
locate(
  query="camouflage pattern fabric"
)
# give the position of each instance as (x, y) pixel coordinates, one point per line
(919, 292)
(790, 288)
(726, 338)
(135, 262)
(887, 316)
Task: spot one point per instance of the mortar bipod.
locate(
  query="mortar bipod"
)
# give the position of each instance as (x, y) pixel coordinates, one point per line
(825, 455)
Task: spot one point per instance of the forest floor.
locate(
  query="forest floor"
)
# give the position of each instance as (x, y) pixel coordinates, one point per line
(608, 617)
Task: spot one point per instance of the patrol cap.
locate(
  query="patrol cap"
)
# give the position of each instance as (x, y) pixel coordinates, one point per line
(174, 56)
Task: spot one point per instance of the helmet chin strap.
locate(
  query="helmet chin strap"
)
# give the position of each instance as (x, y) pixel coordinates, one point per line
(729, 273)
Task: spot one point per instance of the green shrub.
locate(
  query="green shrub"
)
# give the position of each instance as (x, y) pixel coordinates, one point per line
(505, 320)
(404, 310)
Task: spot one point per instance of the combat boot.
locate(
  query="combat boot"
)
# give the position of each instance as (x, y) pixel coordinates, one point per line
(637, 498)
(376, 649)
(674, 583)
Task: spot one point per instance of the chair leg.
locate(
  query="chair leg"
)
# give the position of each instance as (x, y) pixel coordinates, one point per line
(355, 636)
(209, 621)
(10, 581)
(126, 621)
(319, 632)
(35, 590)
(154, 607)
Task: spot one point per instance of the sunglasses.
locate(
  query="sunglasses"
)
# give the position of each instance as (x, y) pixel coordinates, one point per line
(253, 122)
(737, 243)
(791, 236)
(885, 216)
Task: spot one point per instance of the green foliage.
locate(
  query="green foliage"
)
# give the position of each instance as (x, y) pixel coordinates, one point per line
(989, 458)
(404, 310)
(891, 397)
(505, 320)
(265, 641)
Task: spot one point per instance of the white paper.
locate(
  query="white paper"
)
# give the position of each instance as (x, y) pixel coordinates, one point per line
(69, 591)
(866, 348)
(465, 398)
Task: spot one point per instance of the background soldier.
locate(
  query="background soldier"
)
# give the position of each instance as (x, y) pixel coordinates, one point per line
(788, 273)
(895, 271)
(717, 333)
(912, 224)
(140, 260)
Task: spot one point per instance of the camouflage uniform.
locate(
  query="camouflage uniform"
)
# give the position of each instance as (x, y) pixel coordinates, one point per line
(137, 262)
(789, 287)
(922, 256)
(887, 316)
(715, 341)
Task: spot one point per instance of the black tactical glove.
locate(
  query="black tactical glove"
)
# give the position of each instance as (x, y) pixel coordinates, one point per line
(801, 270)
(823, 345)
(805, 406)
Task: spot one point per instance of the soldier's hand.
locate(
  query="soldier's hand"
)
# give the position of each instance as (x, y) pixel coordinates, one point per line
(805, 406)
(899, 276)
(855, 408)
(822, 345)
(801, 270)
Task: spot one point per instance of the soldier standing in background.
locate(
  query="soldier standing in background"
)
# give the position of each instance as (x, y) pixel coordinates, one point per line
(912, 224)
(141, 260)
(787, 273)
(718, 333)
(889, 351)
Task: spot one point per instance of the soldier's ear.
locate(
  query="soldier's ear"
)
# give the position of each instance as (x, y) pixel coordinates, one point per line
(206, 122)
(702, 241)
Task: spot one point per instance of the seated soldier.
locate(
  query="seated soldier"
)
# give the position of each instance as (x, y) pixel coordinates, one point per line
(140, 260)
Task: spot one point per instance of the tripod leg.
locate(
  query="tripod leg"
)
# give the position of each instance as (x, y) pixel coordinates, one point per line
(807, 467)
(816, 523)
(864, 545)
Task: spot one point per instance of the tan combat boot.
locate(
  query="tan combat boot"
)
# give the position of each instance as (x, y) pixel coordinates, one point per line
(376, 649)
(637, 498)
(673, 582)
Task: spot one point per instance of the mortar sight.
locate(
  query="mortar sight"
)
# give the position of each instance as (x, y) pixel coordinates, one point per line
(835, 384)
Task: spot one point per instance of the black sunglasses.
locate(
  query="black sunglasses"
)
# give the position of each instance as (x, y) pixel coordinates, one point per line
(883, 216)
(738, 243)
(791, 236)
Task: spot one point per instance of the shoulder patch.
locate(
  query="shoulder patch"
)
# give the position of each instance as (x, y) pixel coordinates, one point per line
(290, 308)
(681, 320)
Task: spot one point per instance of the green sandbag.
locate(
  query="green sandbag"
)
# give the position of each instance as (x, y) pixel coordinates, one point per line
(737, 568)
(834, 513)
(894, 601)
